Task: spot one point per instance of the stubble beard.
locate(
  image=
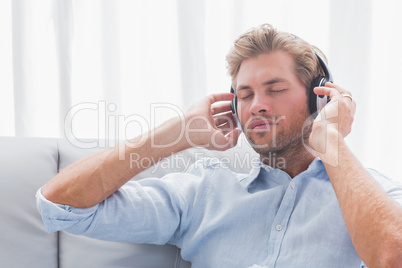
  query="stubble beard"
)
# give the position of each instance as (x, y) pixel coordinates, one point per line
(283, 144)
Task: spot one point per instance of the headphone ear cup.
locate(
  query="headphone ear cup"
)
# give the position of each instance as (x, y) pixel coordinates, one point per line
(317, 102)
(312, 98)
(233, 105)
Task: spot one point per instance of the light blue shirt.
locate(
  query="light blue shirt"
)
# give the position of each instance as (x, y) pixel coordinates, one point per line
(223, 219)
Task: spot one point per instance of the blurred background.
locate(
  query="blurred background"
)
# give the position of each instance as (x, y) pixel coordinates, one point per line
(113, 69)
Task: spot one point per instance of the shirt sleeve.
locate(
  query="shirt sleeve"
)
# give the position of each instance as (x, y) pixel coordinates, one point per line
(391, 187)
(145, 211)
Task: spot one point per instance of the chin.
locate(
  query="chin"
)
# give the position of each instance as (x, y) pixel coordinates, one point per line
(264, 144)
(260, 143)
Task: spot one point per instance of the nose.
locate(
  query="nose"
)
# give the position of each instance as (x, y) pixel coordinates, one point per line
(260, 105)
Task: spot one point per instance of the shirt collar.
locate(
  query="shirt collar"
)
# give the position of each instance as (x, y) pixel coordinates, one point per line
(315, 166)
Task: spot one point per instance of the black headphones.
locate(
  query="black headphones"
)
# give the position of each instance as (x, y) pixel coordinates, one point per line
(315, 102)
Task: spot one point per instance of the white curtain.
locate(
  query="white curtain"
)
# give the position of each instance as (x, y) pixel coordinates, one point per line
(116, 68)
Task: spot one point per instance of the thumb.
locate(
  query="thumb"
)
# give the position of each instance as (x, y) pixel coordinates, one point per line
(234, 135)
(232, 138)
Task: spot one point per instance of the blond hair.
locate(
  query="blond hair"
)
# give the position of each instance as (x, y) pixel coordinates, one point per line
(266, 39)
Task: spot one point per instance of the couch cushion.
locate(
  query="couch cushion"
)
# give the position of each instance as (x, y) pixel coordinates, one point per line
(84, 252)
(26, 164)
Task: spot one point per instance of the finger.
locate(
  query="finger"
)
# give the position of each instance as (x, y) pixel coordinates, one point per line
(221, 108)
(338, 87)
(226, 130)
(220, 97)
(233, 136)
(229, 140)
(332, 89)
(227, 127)
(332, 85)
(328, 91)
(224, 118)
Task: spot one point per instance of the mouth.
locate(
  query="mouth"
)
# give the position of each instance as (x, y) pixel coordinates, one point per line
(261, 125)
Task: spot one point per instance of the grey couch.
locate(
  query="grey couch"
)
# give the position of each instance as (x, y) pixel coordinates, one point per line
(28, 163)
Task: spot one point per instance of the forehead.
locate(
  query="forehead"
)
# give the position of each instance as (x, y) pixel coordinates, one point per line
(264, 67)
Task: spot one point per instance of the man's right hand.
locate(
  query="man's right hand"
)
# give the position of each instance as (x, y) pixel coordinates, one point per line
(210, 123)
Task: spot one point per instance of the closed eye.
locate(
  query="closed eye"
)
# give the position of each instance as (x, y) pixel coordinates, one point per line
(245, 96)
(277, 90)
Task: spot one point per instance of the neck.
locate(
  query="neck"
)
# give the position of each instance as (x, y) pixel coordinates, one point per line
(292, 160)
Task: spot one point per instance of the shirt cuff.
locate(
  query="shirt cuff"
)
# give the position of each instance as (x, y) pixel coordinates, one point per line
(58, 217)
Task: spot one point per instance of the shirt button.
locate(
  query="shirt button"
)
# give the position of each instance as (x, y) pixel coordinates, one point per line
(278, 227)
(292, 185)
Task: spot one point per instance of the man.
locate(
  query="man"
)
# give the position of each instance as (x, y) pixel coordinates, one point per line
(306, 212)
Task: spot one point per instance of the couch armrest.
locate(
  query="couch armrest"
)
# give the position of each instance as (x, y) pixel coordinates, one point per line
(26, 164)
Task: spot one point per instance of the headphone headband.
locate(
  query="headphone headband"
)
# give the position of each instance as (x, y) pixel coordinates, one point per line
(325, 68)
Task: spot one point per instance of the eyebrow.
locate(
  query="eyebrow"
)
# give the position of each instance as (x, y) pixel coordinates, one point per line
(267, 83)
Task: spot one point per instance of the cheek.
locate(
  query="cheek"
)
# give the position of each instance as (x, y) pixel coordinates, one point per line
(294, 113)
(299, 103)
(242, 112)
(298, 114)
